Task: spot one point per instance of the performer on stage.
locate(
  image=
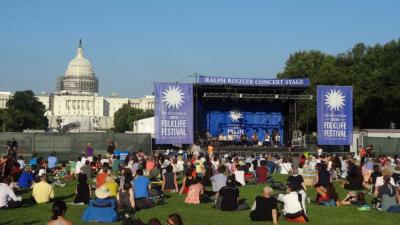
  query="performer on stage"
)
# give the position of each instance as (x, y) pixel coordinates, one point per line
(254, 138)
(267, 140)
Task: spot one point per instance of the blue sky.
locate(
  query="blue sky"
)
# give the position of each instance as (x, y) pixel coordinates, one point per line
(132, 44)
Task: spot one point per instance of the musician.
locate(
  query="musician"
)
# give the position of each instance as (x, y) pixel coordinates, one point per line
(254, 138)
(244, 140)
(230, 138)
(277, 140)
(267, 140)
(222, 139)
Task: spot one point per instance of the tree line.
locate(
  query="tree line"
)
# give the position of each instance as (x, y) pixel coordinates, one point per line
(373, 71)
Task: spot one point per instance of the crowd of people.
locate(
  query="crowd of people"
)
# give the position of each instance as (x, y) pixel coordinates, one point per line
(113, 187)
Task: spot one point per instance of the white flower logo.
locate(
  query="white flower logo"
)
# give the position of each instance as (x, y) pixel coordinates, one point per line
(173, 97)
(335, 100)
(235, 115)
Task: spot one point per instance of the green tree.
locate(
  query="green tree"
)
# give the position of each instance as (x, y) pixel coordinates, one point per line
(24, 111)
(126, 115)
(373, 71)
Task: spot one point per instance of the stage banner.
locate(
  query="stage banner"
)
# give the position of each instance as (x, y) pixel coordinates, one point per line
(335, 115)
(253, 82)
(173, 113)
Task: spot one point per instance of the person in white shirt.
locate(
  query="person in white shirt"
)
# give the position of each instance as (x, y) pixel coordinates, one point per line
(78, 165)
(239, 175)
(8, 199)
(294, 207)
(21, 162)
(379, 180)
(285, 167)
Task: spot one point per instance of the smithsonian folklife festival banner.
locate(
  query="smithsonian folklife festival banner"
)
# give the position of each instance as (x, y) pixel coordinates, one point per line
(173, 113)
(335, 115)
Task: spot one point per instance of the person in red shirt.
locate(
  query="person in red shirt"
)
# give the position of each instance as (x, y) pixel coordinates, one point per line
(262, 172)
(101, 177)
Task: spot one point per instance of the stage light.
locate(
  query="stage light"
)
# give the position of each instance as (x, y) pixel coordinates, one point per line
(276, 96)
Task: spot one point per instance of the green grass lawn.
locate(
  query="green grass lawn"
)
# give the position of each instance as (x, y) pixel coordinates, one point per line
(202, 214)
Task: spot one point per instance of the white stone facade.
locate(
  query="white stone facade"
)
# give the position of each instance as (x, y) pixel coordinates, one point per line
(79, 103)
(4, 96)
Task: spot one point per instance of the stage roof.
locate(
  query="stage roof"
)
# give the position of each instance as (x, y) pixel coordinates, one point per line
(253, 82)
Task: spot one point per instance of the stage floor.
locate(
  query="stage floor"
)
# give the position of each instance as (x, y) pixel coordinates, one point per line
(251, 149)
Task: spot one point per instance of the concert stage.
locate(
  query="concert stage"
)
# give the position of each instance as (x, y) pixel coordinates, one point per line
(228, 109)
(256, 149)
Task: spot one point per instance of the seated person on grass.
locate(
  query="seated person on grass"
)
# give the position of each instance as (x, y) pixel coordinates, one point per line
(83, 191)
(262, 172)
(294, 208)
(328, 196)
(101, 177)
(111, 185)
(228, 197)
(218, 181)
(169, 183)
(141, 185)
(42, 191)
(265, 207)
(126, 197)
(353, 198)
(195, 191)
(388, 195)
(8, 199)
(59, 209)
(26, 178)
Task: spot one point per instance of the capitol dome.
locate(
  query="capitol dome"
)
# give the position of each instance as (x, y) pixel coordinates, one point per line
(79, 76)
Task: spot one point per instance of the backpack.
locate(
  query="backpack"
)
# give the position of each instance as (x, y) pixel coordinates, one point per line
(276, 185)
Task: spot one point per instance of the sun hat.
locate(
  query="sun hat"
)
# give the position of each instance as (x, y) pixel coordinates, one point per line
(41, 172)
(102, 192)
(396, 170)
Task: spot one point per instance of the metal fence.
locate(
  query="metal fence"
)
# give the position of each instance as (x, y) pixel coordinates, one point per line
(383, 145)
(69, 145)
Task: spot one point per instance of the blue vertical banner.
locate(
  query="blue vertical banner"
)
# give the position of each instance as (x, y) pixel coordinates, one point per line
(335, 115)
(173, 113)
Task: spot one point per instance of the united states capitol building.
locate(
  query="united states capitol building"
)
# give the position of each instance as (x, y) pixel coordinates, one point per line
(76, 105)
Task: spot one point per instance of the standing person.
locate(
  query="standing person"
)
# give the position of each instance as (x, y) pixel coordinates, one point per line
(111, 147)
(265, 207)
(87, 169)
(59, 209)
(89, 152)
(42, 192)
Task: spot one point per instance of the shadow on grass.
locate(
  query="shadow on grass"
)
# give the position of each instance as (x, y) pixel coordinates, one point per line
(62, 198)
(23, 191)
(31, 222)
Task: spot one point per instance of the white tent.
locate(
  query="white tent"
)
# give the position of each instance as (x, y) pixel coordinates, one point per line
(144, 126)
